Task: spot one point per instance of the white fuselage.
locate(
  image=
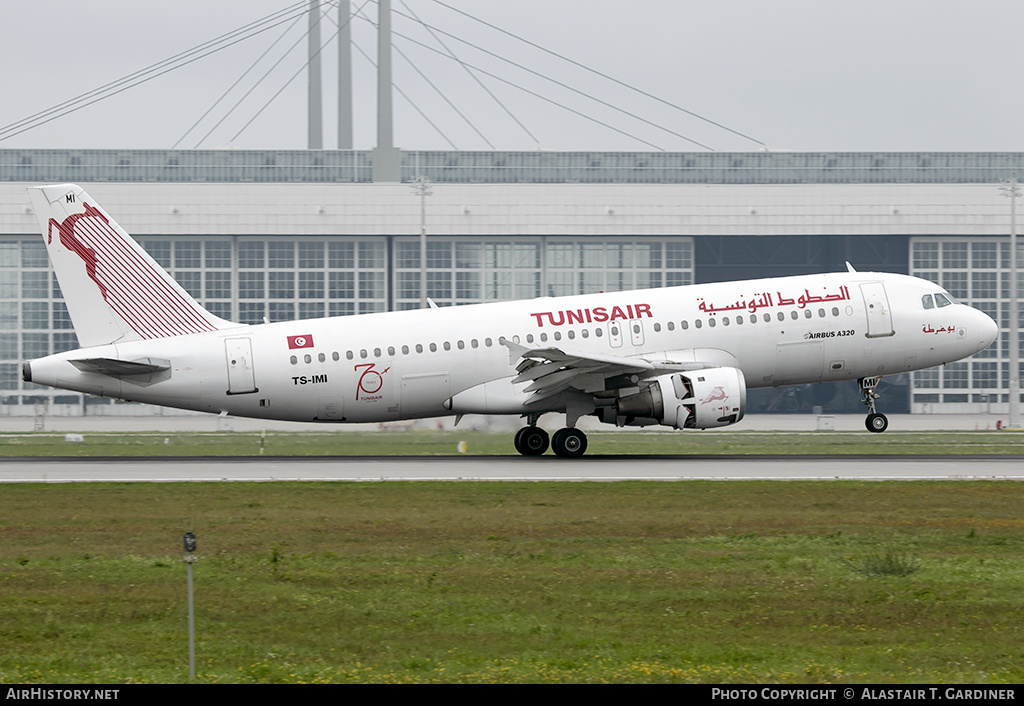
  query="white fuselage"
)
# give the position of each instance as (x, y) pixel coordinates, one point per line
(411, 364)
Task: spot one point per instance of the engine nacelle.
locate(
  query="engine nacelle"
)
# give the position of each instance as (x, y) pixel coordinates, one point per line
(703, 399)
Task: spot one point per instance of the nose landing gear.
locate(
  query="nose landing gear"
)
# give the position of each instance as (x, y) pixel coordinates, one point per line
(875, 422)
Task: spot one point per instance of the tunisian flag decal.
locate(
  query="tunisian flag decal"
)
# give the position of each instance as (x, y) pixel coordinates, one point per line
(300, 342)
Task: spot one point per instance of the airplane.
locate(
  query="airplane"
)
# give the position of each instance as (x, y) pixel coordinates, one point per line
(681, 357)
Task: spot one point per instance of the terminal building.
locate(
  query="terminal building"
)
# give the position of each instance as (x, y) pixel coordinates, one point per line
(275, 235)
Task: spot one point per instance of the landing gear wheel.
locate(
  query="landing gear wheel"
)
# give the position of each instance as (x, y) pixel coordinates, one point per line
(876, 422)
(569, 443)
(531, 441)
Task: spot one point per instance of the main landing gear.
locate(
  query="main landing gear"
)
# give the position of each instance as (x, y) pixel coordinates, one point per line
(533, 441)
(876, 421)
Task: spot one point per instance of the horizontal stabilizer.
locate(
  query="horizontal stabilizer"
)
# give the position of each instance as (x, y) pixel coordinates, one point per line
(121, 368)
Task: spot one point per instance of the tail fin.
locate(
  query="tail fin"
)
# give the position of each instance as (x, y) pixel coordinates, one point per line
(113, 289)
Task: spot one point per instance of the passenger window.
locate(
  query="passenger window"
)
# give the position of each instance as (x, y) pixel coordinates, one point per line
(348, 355)
(586, 333)
(807, 313)
(558, 336)
(685, 325)
(725, 320)
(335, 357)
(572, 335)
(322, 358)
(711, 323)
(433, 348)
(926, 301)
(295, 361)
(405, 350)
(391, 350)
(657, 328)
(698, 323)
(419, 347)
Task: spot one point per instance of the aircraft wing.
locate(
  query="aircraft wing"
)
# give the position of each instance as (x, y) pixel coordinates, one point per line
(551, 371)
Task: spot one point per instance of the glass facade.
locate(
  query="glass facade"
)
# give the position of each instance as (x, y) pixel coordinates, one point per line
(976, 272)
(470, 271)
(33, 321)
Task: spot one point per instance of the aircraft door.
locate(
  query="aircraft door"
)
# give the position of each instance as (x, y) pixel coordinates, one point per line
(876, 306)
(241, 377)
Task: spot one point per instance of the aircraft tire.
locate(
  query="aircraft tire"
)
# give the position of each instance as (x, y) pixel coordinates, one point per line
(876, 423)
(517, 439)
(531, 441)
(569, 443)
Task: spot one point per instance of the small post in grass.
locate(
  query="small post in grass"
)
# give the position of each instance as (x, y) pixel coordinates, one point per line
(190, 558)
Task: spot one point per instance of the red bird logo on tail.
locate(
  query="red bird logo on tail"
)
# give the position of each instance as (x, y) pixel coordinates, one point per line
(72, 243)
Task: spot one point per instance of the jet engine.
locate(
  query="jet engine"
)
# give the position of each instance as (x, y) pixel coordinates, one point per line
(703, 399)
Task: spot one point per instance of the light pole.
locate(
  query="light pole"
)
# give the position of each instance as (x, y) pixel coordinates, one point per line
(1012, 190)
(421, 187)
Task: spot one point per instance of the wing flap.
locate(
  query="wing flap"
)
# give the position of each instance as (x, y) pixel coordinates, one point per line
(549, 372)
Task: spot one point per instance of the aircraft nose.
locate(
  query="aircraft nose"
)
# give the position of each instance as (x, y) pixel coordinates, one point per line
(988, 329)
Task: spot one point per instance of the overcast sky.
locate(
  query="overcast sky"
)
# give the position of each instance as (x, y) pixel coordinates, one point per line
(802, 75)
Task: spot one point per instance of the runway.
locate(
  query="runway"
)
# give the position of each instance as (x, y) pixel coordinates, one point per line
(511, 468)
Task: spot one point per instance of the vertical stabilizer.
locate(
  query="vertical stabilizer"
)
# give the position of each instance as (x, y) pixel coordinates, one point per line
(113, 289)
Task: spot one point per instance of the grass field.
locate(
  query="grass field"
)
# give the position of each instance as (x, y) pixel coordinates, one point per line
(478, 443)
(712, 582)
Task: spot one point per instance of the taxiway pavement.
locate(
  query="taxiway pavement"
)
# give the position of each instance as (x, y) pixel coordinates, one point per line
(512, 468)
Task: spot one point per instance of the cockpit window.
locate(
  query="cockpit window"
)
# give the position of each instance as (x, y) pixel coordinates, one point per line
(942, 300)
(927, 302)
